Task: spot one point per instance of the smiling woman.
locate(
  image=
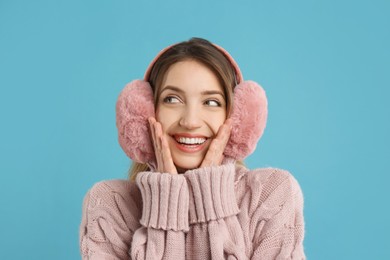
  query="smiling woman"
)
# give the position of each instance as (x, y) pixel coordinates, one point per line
(187, 126)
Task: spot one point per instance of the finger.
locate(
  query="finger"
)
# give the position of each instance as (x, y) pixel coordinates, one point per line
(169, 166)
(224, 134)
(158, 134)
(220, 141)
(214, 155)
(154, 135)
(152, 131)
(165, 153)
(156, 141)
(210, 158)
(225, 128)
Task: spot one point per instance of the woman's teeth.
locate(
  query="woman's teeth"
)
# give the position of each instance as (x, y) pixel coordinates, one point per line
(186, 140)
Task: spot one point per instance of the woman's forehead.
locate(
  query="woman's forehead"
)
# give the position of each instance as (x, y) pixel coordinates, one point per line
(191, 75)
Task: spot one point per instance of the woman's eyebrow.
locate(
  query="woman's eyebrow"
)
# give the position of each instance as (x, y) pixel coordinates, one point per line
(203, 93)
(172, 88)
(212, 92)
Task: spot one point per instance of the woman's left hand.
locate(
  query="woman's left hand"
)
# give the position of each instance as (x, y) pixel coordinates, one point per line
(214, 155)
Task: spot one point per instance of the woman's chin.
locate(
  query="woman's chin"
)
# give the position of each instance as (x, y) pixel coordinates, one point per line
(186, 165)
(186, 161)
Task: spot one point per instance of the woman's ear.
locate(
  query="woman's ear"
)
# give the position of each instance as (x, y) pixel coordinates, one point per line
(133, 108)
(249, 119)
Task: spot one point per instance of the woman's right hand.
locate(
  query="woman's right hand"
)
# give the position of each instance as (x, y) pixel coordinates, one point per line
(161, 148)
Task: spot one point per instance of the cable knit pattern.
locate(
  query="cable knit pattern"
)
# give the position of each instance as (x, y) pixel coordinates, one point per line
(220, 212)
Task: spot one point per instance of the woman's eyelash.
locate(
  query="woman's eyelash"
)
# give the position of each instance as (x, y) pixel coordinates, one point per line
(209, 102)
(216, 103)
(171, 99)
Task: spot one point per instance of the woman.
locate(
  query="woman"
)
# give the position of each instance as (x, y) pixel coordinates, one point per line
(187, 127)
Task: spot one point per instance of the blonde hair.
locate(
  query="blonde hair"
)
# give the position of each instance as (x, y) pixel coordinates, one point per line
(199, 50)
(135, 169)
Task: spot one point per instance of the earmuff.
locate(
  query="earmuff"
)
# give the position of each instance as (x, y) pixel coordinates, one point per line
(135, 105)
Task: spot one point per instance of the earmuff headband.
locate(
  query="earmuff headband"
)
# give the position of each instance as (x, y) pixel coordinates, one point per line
(233, 63)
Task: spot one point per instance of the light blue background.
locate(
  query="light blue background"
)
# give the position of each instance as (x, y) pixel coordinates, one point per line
(324, 65)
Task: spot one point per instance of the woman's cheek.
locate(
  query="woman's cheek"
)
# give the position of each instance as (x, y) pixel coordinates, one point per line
(167, 117)
(216, 121)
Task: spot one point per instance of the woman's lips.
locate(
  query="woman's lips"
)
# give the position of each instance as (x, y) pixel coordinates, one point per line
(189, 143)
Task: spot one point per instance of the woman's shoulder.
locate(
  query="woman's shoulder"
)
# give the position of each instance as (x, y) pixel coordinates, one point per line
(108, 187)
(272, 174)
(269, 184)
(109, 192)
(115, 185)
(266, 176)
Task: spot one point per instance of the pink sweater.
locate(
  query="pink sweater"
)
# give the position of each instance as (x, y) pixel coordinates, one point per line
(222, 212)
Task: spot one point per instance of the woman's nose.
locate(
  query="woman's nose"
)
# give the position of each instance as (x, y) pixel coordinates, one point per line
(190, 118)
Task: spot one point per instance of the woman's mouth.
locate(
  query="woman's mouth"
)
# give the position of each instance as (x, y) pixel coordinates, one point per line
(190, 144)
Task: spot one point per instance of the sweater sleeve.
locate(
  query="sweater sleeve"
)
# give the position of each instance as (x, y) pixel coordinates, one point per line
(164, 217)
(215, 232)
(277, 217)
(118, 223)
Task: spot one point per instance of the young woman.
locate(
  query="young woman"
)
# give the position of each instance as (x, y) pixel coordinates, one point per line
(187, 126)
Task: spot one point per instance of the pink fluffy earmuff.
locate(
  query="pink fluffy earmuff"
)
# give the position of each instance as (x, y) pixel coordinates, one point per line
(135, 105)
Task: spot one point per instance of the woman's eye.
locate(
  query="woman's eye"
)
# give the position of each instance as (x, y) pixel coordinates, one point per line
(171, 100)
(213, 103)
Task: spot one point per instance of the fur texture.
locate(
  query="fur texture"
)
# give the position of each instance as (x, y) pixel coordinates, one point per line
(249, 119)
(133, 108)
(135, 105)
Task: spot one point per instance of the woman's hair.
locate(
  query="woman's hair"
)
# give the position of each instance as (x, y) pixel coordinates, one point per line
(199, 50)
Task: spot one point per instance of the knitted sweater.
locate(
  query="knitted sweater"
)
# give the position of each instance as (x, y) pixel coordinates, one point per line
(221, 212)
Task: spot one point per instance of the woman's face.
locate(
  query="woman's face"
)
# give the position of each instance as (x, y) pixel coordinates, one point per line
(191, 107)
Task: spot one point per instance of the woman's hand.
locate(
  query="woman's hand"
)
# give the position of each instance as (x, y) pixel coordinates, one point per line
(161, 148)
(214, 155)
